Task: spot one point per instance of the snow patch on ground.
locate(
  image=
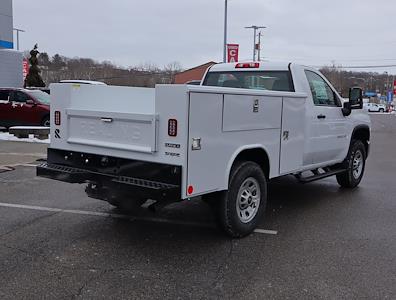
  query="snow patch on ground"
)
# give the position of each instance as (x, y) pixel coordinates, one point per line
(5, 136)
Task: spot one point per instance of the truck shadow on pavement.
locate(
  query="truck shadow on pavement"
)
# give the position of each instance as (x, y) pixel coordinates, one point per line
(287, 198)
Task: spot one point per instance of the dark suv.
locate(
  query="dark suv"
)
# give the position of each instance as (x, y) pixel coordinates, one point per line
(24, 107)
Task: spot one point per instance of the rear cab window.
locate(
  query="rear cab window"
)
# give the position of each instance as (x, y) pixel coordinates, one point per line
(254, 80)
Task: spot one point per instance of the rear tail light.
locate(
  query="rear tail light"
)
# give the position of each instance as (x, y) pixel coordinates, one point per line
(57, 118)
(252, 65)
(172, 127)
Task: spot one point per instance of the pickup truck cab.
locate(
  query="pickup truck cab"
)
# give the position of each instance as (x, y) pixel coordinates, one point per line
(246, 124)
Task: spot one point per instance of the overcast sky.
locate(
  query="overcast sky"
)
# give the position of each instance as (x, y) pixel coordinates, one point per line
(131, 32)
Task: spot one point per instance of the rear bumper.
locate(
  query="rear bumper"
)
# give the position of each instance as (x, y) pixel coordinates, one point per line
(149, 180)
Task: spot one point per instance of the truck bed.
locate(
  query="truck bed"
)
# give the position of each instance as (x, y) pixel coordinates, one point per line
(133, 124)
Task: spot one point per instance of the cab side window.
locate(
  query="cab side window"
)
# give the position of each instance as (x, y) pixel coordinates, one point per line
(322, 94)
(20, 97)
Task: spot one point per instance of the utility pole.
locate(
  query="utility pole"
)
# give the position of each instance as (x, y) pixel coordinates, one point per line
(17, 34)
(254, 27)
(259, 47)
(225, 31)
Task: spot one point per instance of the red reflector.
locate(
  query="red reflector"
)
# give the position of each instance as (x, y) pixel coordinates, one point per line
(172, 127)
(57, 118)
(247, 65)
(190, 190)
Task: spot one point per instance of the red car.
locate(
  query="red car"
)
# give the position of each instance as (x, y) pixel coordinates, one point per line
(24, 107)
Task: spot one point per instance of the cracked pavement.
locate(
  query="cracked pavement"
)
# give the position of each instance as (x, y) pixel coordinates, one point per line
(331, 243)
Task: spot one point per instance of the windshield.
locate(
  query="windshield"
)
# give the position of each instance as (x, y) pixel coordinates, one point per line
(258, 80)
(40, 96)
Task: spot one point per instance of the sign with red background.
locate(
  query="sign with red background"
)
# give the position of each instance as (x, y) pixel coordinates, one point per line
(25, 68)
(232, 53)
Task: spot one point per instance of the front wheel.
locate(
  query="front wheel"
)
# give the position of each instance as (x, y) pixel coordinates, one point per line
(381, 110)
(355, 164)
(243, 205)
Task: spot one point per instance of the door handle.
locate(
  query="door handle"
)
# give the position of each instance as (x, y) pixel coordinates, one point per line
(107, 120)
(321, 117)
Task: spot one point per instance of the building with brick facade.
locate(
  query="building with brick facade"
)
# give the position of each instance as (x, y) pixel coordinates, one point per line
(195, 73)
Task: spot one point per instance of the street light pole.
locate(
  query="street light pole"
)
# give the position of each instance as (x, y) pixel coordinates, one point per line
(259, 47)
(17, 33)
(225, 31)
(254, 27)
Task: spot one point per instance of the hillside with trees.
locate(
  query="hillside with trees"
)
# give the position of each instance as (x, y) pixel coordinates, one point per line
(59, 67)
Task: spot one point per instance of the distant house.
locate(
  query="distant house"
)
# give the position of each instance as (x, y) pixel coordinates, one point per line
(195, 73)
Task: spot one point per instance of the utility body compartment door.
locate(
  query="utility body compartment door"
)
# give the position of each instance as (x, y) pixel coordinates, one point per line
(227, 124)
(292, 135)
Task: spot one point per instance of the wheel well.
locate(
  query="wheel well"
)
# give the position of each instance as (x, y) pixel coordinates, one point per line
(362, 134)
(256, 155)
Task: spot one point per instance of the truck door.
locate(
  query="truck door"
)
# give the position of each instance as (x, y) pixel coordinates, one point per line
(328, 132)
(22, 113)
(5, 107)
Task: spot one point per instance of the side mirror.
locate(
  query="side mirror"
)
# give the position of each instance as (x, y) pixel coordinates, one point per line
(30, 102)
(346, 110)
(355, 98)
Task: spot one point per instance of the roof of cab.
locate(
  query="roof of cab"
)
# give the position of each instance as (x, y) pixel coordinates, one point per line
(263, 66)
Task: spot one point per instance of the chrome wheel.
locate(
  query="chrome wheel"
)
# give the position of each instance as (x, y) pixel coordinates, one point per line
(357, 166)
(248, 200)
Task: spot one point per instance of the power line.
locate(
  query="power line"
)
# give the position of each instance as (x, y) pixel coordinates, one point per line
(363, 67)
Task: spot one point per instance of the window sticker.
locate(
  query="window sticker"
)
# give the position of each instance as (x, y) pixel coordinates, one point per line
(320, 89)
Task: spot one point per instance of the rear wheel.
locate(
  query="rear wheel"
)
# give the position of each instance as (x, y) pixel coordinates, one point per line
(243, 205)
(355, 164)
(381, 110)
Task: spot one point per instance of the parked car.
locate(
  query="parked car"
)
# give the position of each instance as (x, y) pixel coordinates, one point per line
(45, 90)
(374, 107)
(83, 82)
(24, 107)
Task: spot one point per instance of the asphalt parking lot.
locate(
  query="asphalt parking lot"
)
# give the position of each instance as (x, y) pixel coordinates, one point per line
(317, 240)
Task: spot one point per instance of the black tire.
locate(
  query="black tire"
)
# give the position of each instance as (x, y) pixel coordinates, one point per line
(46, 122)
(353, 176)
(381, 110)
(233, 218)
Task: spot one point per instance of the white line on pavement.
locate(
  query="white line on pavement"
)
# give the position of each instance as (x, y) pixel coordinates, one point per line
(11, 167)
(23, 154)
(120, 216)
(264, 231)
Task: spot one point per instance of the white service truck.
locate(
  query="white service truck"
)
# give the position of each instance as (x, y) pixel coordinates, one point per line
(246, 124)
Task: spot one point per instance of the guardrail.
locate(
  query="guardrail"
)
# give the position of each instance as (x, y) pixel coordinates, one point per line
(20, 132)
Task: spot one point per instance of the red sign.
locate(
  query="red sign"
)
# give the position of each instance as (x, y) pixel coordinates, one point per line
(233, 53)
(394, 88)
(25, 68)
